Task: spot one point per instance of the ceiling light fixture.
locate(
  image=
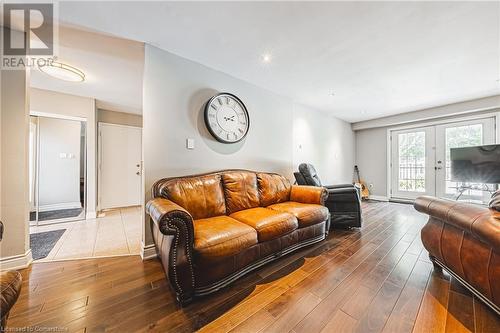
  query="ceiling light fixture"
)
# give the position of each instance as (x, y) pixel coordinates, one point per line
(266, 58)
(63, 72)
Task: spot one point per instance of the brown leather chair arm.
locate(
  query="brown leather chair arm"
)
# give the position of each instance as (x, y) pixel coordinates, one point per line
(481, 222)
(162, 210)
(10, 288)
(173, 220)
(308, 194)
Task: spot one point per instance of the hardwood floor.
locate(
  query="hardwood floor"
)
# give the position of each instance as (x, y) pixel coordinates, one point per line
(377, 279)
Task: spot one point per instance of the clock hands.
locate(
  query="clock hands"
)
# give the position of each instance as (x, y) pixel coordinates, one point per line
(229, 118)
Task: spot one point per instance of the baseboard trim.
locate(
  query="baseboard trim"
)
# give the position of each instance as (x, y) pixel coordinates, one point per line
(402, 201)
(378, 198)
(16, 262)
(60, 206)
(148, 251)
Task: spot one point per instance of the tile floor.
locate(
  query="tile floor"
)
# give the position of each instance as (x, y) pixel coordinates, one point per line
(116, 232)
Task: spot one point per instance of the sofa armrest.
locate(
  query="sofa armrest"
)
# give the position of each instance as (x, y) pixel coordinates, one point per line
(10, 288)
(177, 257)
(481, 222)
(341, 190)
(329, 187)
(162, 210)
(308, 194)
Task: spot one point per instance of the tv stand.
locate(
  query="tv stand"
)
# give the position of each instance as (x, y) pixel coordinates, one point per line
(476, 187)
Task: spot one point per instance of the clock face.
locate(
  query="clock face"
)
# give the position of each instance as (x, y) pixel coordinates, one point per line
(226, 118)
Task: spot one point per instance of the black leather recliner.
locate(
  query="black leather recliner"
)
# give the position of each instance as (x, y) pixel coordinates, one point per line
(343, 202)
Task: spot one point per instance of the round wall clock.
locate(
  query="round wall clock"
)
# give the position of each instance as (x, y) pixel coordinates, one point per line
(226, 118)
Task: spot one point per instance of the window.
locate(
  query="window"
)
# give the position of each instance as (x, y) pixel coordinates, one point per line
(412, 161)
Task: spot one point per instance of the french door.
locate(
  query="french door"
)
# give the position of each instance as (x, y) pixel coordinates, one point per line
(413, 161)
(420, 158)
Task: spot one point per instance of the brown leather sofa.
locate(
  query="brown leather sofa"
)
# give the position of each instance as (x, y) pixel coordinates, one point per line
(10, 288)
(464, 239)
(211, 229)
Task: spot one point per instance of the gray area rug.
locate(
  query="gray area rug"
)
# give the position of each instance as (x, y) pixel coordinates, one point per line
(56, 214)
(42, 242)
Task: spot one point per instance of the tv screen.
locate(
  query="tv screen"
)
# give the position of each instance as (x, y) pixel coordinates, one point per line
(479, 164)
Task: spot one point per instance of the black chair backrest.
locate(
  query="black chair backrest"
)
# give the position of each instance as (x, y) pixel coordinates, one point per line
(299, 179)
(309, 174)
(1, 230)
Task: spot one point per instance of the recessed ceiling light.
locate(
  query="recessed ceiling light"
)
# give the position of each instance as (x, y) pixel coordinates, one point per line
(266, 58)
(63, 72)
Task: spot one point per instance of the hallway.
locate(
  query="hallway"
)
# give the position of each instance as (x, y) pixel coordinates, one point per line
(118, 232)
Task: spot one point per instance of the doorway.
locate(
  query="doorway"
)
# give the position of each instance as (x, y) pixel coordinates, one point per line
(57, 166)
(420, 158)
(120, 167)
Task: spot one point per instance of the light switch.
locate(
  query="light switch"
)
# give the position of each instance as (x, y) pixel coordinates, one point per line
(190, 143)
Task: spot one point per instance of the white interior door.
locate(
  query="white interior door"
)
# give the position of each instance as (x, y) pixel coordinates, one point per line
(458, 135)
(413, 160)
(120, 150)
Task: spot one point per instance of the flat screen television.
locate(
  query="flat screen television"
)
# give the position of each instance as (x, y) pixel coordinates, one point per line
(480, 164)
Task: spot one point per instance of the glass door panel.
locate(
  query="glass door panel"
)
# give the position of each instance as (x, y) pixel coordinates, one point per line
(412, 163)
(459, 135)
(57, 170)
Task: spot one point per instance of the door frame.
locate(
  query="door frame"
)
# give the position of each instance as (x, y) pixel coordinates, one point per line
(431, 122)
(441, 152)
(430, 157)
(82, 217)
(99, 156)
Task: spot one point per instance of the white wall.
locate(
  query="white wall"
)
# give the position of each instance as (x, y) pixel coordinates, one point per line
(175, 92)
(70, 105)
(59, 184)
(371, 158)
(14, 184)
(449, 110)
(324, 141)
(119, 118)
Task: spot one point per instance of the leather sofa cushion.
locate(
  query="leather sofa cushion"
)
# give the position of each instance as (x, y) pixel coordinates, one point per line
(201, 196)
(270, 224)
(240, 188)
(273, 189)
(306, 214)
(222, 236)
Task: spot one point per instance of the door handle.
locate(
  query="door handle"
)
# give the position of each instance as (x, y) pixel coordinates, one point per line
(138, 173)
